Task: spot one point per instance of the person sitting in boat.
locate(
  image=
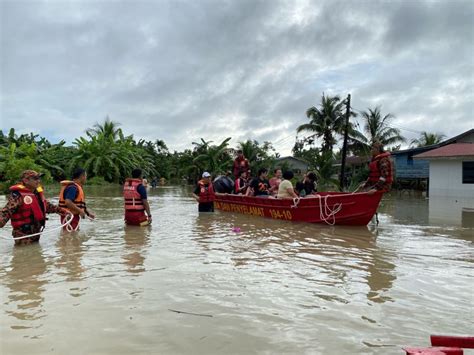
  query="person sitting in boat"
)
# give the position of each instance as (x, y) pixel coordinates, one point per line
(240, 163)
(204, 193)
(241, 184)
(380, 170)
(27, 207)
(136, 201)
(260, 186)
(275, 181)
(285, 188)
(308, 186)
(71, 197)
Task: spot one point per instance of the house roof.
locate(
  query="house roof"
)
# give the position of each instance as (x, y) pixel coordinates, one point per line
(455, 150)
(433, 146)
(293, 158)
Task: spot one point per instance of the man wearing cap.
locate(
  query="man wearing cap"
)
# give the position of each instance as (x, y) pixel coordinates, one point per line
(204, 193)
(72, 197)
(26, 208)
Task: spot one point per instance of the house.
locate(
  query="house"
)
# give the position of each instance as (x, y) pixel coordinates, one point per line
(409, 171)
(451, 168)
(299, 166)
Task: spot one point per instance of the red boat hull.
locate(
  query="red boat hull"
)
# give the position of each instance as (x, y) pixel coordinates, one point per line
(327, 207)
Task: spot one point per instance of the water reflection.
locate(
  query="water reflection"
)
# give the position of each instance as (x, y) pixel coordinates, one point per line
(136, 240)
(71, 251)
(451, 211)
(26, 280)
(319, 255)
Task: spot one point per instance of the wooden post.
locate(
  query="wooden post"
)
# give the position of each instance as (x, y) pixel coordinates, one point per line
(344, 146)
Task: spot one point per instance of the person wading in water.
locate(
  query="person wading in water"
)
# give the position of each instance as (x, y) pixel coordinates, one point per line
(27, 207)
(72, 198)
(136, 201)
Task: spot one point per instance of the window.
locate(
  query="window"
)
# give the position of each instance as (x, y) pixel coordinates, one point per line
(468, 172)
(410, 160)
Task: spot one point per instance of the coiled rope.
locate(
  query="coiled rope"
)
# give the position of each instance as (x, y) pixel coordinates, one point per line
(69, 218)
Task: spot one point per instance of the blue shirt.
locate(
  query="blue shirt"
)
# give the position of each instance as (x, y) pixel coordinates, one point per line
(71, 192)
(142, 191)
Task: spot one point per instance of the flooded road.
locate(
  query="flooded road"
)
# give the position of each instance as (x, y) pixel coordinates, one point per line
(274, 287)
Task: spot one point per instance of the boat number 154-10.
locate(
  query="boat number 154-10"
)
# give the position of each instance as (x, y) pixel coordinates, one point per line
(284, 214)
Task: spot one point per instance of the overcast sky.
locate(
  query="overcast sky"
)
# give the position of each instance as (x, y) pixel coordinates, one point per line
(181, 70)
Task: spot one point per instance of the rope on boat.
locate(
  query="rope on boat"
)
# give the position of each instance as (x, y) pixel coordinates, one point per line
(296, 201)
(66, 224)
(327, 214)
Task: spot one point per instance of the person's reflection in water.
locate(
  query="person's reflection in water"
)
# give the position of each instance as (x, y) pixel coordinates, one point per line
(70, 248)
(136, 239)
(380, 276)
(26, 284)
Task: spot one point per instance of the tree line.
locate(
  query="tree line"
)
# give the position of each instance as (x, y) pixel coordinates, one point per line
(109, 156)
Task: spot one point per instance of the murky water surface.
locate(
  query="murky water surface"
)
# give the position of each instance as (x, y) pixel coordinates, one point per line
(275, 287)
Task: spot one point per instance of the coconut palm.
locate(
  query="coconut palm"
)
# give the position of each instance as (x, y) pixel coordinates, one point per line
(213, 158)
(376, 129)
(325, 121)
(109, 129)
(427, 139)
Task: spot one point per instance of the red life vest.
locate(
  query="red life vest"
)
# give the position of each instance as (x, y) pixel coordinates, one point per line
(240, 165)
(206, 192)
(374, 169)
(33, 208)
(133, 200)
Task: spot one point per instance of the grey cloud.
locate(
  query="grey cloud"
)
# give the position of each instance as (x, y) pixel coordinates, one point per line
(178, 70)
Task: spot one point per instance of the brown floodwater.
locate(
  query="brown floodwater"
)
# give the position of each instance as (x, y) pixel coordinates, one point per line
(274, 287)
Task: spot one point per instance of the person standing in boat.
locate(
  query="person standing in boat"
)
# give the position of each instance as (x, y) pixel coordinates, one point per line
(260, 186)
(73, 199)
(136, 201)
(204, 193)
(380, 170)
(27, 207)
(240, 164)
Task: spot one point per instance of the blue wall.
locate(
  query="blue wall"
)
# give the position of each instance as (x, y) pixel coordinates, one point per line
(408, 168)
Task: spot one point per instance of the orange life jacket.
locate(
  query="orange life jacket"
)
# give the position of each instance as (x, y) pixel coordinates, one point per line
(133, 200)
(33, 208)
(80, 200)
(374, 169)
(206, 192)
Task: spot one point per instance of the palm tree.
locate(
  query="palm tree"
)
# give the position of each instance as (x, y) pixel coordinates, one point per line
(213, 157)
(109, 129)
(325, 121)
(376, 129)
(427, 139)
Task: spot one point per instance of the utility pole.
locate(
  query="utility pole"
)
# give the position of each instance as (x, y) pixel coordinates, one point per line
(344, 146)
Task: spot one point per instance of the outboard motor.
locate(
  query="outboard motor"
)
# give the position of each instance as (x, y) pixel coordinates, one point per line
(223, 184)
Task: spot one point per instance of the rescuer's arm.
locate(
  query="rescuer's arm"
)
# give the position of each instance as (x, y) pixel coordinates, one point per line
(13, 202)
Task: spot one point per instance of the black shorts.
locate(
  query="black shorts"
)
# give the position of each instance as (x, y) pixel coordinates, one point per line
(206, 207)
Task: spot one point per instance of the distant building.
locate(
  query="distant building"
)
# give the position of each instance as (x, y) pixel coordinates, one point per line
(451, 168)
(409, 170)
(299, 166)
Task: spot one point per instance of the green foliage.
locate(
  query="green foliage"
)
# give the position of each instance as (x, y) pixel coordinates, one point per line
(97, 181)
(258, 155)
(325, 121)
(427, 139)
(376, 129)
